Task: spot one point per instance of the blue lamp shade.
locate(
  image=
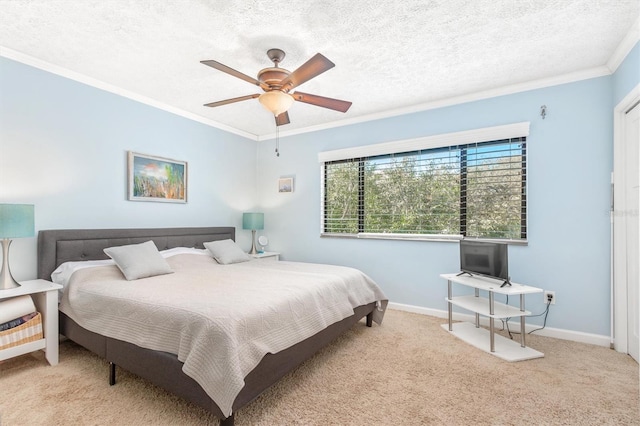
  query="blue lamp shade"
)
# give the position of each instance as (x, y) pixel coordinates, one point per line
(253, 221)
(16, 221)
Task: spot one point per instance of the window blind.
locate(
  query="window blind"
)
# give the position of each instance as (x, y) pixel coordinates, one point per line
(475, 189)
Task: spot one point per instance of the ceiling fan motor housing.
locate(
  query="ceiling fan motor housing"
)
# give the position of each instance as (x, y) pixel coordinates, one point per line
(273, 76)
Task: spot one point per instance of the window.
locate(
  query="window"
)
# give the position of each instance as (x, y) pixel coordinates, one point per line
(475, 189)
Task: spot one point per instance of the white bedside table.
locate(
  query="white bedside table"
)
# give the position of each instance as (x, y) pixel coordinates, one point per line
(267, 255)
(45, 297)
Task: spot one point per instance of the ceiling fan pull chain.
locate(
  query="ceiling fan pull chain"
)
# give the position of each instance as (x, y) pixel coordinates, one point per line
(277, 141)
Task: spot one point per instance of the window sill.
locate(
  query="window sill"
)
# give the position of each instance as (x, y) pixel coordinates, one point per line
(415, 237)
(401, 237)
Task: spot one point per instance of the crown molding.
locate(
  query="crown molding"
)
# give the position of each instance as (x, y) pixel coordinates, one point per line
(625, 46)
(72, 75)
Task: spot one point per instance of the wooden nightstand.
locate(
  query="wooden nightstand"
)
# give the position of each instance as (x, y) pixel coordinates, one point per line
(45, 297)
(267, 255)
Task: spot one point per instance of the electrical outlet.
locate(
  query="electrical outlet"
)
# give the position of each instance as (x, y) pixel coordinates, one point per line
(550, 297)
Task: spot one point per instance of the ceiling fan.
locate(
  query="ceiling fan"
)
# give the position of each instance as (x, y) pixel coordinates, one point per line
(278, 82)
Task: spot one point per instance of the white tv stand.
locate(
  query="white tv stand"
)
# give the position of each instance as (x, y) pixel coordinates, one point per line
(488, 341)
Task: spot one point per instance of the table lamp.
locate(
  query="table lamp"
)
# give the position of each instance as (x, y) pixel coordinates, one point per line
(253, 221)
(16, 221)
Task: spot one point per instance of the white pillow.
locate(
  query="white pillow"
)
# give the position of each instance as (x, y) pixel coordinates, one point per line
(183, 250)
(226, 252)
(139, 260)
(63, 273)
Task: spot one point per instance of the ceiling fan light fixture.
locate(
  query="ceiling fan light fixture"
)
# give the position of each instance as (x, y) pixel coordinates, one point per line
(276, 102)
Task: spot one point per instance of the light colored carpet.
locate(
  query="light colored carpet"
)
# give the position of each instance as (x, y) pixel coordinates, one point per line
(409, 371)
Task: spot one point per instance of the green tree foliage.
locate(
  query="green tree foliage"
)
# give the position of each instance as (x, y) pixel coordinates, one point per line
(408, 195)
(421, 194)
(494, 197)
(341, 197)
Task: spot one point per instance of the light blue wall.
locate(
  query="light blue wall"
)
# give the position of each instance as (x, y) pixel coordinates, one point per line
(63, 147)
(569, 164)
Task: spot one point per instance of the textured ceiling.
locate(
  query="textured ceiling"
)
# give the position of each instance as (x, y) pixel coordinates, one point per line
(389, 55)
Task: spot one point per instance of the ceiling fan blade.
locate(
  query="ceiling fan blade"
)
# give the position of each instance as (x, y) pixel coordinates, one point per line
(312, 68)
(231, 71)
(282, 119)
(232, 100)
(321, 101)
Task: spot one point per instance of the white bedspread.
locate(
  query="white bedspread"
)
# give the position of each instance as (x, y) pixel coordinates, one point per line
(220, 320)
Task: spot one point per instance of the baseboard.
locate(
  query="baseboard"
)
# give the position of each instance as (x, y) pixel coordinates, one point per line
(514, 325)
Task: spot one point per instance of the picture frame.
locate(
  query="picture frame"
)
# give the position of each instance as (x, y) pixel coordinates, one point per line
(285, 185)
(157, 179)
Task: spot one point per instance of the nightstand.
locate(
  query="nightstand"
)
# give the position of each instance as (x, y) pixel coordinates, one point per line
(267, 256)
(45, 297)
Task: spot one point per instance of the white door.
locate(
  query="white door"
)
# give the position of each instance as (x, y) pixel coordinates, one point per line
(632, 192)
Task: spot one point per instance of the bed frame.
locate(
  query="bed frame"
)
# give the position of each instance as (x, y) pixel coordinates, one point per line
(161, 368)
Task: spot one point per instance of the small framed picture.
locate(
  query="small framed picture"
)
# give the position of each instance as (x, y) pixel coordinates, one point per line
(285, 184)
(153, 178)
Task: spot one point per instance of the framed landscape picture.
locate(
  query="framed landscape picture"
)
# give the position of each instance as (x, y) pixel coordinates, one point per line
(156, 179)
(285, 184)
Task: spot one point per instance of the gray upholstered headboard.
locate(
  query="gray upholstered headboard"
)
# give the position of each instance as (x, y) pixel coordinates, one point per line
(65, 245)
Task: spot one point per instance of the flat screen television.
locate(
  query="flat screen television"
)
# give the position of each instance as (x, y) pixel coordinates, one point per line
(489, 259)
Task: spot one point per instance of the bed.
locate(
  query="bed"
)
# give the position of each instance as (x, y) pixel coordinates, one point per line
(164, 368)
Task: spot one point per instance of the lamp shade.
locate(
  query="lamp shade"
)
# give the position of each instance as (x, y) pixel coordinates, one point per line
(276, 101)
(253, 221)
(16, 221)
